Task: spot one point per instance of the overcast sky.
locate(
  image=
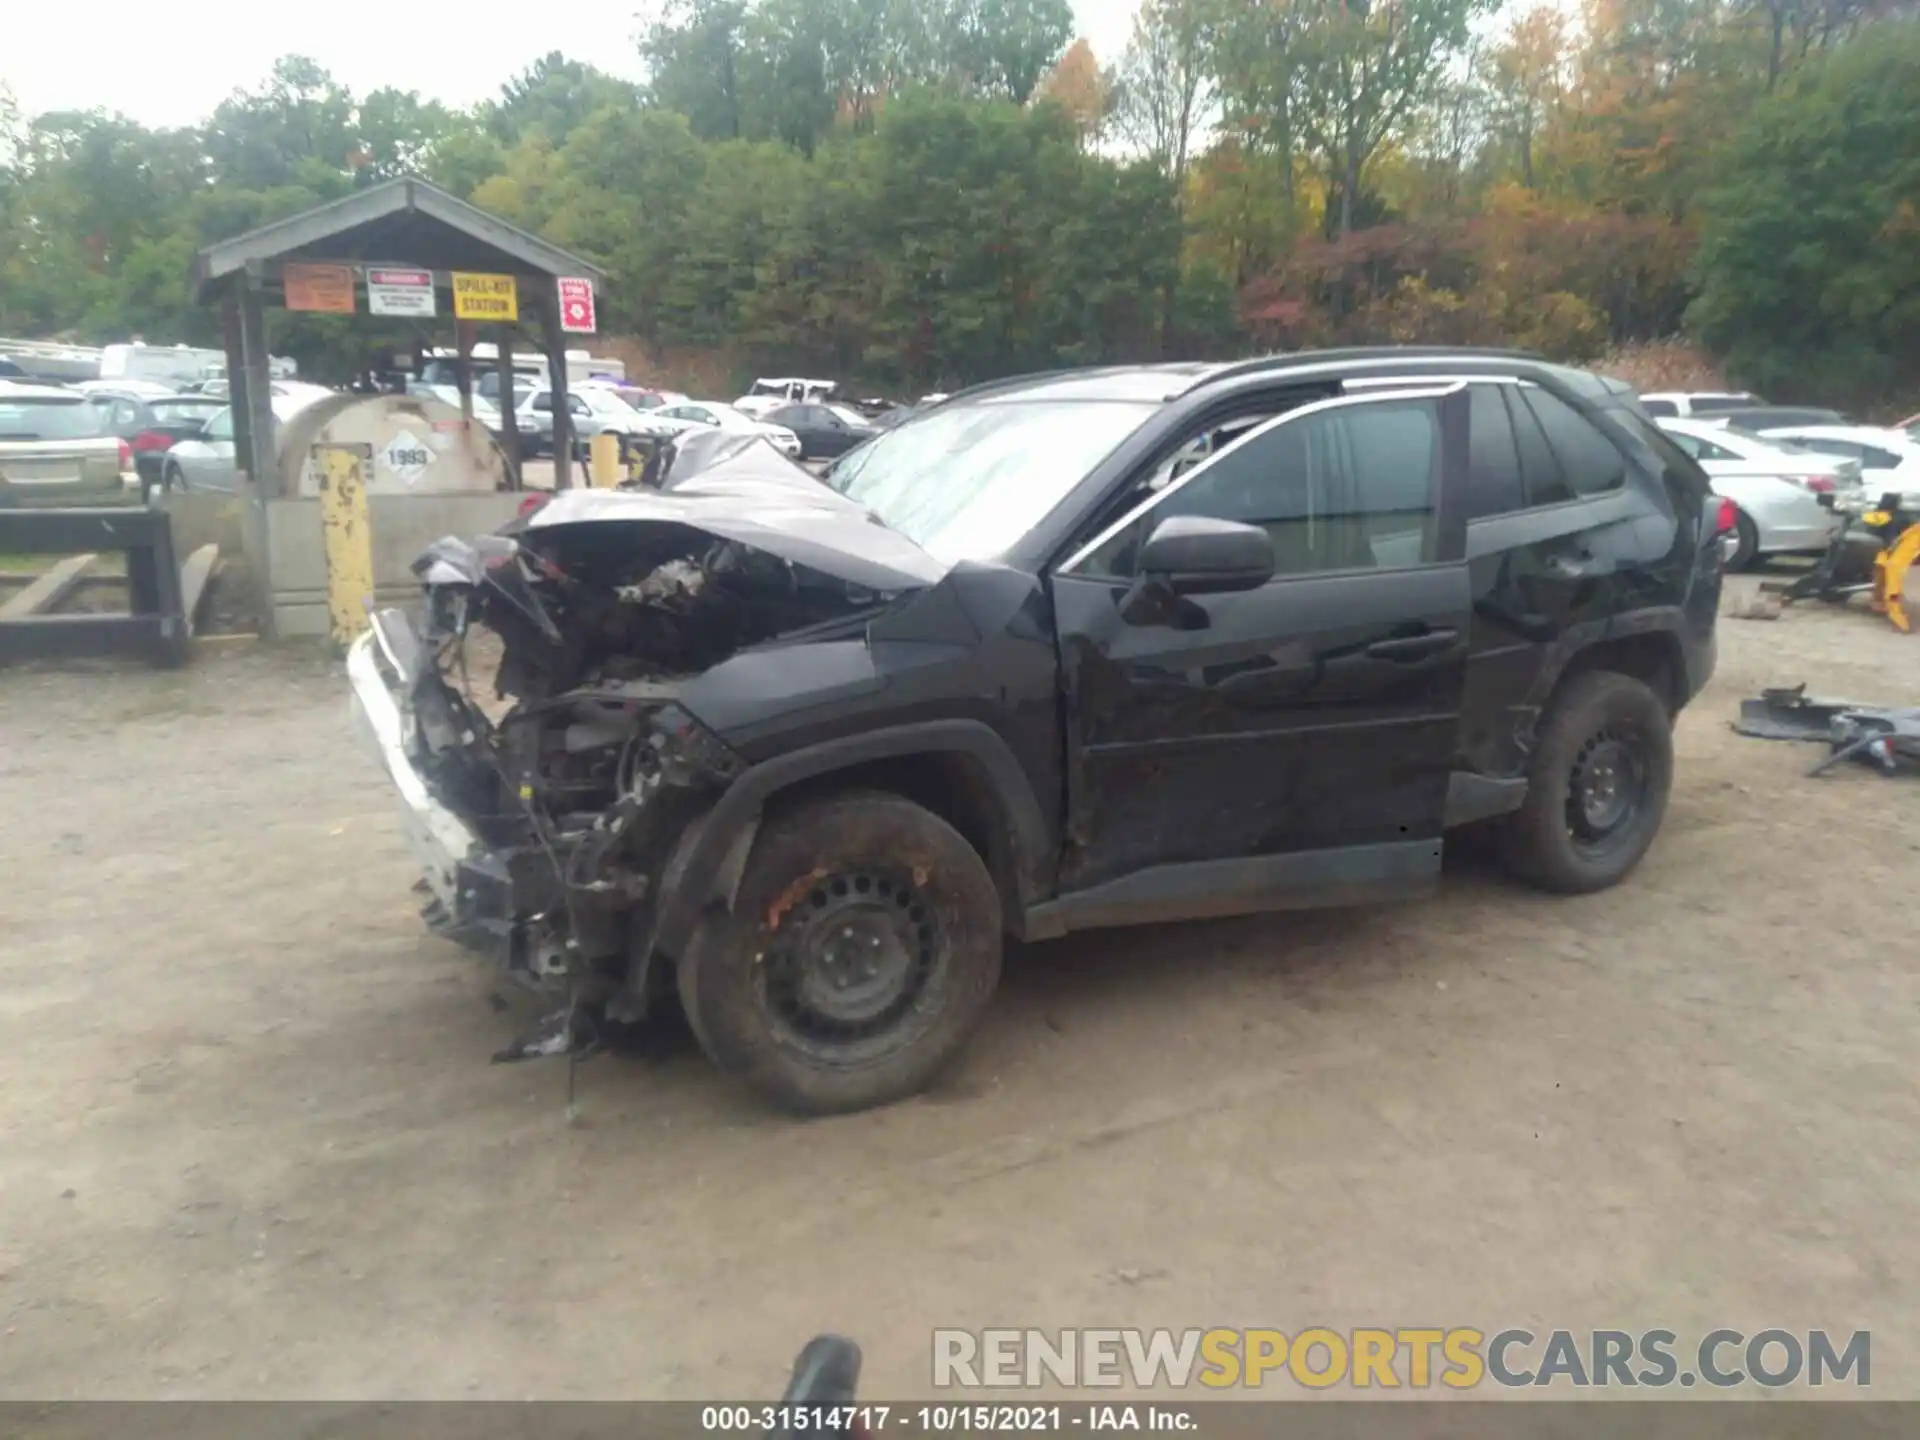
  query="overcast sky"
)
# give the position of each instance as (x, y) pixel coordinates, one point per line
(170, 65)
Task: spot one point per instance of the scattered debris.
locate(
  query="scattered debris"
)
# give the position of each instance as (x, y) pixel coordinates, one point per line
(1760, 607)
(1886, 737)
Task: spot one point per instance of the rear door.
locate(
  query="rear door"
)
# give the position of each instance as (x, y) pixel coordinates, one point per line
(1289, 744)
(1556, 544)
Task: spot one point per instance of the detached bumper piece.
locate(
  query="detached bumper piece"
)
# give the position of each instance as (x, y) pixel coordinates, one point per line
(1887, 738)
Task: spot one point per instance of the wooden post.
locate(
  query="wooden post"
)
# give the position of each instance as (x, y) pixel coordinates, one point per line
(463, 366)
(345, 534)
(556, 348)
(503, 336)
(254, 391)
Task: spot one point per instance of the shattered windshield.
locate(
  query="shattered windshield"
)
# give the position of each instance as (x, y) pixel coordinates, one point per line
(966, 482)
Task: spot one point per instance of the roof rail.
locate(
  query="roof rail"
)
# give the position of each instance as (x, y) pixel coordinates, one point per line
(1008, 382)
(1286, 359)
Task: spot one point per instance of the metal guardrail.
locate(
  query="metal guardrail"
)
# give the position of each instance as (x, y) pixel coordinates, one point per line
(154, 625)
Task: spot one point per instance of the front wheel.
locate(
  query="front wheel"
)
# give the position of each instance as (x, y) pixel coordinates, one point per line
(1598, 785)
(860, 954)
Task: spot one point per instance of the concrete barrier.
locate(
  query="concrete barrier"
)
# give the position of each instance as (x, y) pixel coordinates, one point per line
(288, 540)
(401, 527)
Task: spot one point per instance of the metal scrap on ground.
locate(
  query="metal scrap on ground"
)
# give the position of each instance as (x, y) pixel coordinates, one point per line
(1888, 737)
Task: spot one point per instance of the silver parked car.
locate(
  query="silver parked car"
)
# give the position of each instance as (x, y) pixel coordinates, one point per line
(1791, 497)
(595, 409)
(205, 459)
(56, 449)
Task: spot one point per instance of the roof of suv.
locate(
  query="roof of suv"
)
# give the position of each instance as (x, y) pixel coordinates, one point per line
(33, 390)
(1167, 381)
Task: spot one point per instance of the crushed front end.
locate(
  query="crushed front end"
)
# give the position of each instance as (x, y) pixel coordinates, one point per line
(531, 725)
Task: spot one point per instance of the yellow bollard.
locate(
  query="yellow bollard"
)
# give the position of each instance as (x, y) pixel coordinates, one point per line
(345, 535)
(603, 463)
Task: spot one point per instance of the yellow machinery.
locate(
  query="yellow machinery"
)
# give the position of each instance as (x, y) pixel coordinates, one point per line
(1890, 567)
(1871, 554)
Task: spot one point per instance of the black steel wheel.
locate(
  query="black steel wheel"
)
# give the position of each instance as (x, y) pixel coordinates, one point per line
(1597, 787)
(848, 962)
(859, 955)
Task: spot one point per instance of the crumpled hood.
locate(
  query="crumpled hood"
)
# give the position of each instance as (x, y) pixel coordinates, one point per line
(754, 496)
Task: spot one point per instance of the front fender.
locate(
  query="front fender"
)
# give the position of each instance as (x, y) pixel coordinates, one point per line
(706, 864)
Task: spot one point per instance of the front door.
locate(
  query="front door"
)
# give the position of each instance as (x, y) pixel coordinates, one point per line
(1289, 744)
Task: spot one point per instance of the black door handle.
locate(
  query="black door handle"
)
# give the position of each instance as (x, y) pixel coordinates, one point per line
(1414, 647)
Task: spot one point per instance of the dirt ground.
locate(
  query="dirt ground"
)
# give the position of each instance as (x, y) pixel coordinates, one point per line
(251, 1144)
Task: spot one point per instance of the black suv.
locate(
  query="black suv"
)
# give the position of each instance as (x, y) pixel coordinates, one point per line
(1073, 650)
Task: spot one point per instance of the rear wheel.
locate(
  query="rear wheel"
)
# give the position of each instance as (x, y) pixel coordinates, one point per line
(171, 479)
(859, 956)
(1597, 788)
(1746, 544)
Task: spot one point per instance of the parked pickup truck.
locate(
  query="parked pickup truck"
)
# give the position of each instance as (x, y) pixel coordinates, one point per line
(1080, 649)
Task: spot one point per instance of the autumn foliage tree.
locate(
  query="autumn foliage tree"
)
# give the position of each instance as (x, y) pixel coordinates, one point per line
(927, 192)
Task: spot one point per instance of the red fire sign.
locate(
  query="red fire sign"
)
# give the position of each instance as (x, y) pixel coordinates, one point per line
(576, 306)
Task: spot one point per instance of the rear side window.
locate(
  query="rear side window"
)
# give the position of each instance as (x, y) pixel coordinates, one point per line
(1589, 463)
(1545, 483)
(1665, 409)
(1493, 464)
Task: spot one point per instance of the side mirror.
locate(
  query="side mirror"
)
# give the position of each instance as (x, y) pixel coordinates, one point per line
(1195, 554)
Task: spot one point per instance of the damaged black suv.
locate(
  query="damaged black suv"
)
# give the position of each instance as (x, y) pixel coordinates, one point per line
(1079, 649)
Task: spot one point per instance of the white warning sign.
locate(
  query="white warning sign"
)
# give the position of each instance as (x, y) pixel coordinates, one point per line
(406, 457)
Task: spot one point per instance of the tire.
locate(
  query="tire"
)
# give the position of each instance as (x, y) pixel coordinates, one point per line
(1597, 788)
(171, 479)
(1746, 549)
(762, 985)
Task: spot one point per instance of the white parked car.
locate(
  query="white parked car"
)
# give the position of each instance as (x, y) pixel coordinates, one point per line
(1777, 485)
(674, 419)
(1889, 458)
(771, 394)
(1684, 404)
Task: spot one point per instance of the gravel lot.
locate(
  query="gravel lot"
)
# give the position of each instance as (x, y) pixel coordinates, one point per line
(251, 1145)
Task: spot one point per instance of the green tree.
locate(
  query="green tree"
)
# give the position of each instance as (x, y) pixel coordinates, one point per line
(1364, 68)
(1164, 88)
(1809, 259)
(555, 95)
(296, 130)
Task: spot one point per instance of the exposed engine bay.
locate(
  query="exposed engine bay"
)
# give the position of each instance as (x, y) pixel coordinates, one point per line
(539, 697)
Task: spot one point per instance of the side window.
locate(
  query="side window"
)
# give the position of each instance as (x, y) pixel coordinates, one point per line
(1587, 458)
(1493, 464)
(1665, 409)
(1687, 444)
(543, 403)
(1872, 459)
(1546, 484)
(1343, 489)
(1710, 451)
(577, 406)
